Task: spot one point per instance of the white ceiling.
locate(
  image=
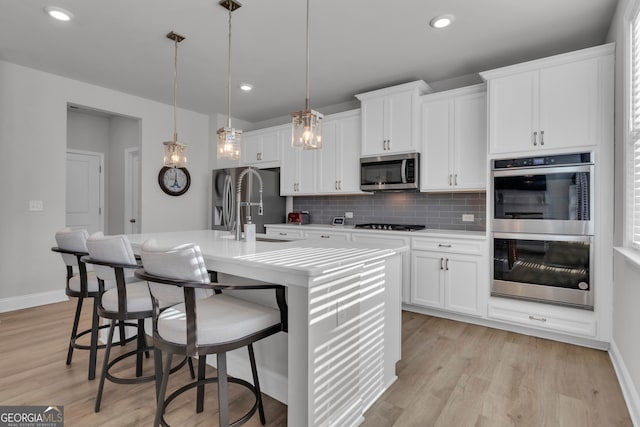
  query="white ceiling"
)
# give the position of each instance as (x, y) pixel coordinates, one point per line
(356, 45)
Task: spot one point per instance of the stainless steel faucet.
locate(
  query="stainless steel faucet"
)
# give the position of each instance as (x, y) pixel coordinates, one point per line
(248, 203)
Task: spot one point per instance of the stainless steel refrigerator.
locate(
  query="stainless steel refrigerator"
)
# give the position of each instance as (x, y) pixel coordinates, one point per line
(224, 187)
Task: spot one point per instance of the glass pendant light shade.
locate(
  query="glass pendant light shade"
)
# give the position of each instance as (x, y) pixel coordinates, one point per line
(229, 143)
(307, 130)
(229, 138)
(175, 153)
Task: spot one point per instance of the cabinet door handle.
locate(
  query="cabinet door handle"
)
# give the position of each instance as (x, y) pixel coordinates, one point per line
(324, 236)
(440, 245)
(446, 264)
(535, 138)
(541, 137)
(441, 263)
(539, 319)
(388, 144)
(283, 234)
(455, 179)
(450, 182)
(339, 184)
(335, 185)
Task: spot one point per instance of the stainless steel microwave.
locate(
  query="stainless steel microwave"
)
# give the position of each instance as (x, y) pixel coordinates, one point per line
(393, 172)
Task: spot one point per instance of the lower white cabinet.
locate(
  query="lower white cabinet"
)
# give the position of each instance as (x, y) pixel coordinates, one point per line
(328, 235)
(284, 232)
(543, 316)
(448, 275)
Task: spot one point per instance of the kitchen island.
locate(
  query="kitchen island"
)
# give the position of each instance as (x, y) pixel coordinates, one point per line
(344, 306)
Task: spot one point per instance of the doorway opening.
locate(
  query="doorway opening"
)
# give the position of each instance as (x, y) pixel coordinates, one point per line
(117, 139)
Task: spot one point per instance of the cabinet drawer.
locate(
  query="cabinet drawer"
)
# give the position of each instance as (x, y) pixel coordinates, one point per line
(327, 235)
(282, 232)
(447, 245)
(571, 322)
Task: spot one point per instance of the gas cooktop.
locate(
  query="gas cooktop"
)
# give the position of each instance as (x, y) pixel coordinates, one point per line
(392, 227)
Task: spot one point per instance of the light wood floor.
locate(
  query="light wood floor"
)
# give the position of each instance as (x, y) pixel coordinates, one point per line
(451, 374)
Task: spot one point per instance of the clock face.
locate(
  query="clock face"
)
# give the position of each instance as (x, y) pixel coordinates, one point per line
(174, 181)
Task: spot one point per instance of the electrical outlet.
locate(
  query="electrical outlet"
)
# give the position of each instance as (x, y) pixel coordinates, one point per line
(467, 217)
(36, 205)
(348, 215)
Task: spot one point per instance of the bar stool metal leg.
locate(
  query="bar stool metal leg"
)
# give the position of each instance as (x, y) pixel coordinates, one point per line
(105, 365)
(74, 330)
(202, 366)
(93, 350)
(256, 383)
(223, 399)
(163, 390)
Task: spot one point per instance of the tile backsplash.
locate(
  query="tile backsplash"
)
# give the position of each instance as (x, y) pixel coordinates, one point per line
(434, 210)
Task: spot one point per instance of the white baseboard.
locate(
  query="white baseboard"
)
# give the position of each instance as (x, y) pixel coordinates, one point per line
(32, 300)
(271, 383)
(629, 390)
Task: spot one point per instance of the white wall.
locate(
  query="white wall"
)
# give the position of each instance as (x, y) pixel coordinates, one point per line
(626, 289)
(33, 137)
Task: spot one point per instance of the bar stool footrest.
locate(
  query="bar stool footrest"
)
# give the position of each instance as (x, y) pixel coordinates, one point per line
(240, 421)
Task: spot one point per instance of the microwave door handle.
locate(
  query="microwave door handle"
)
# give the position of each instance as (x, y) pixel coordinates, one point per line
(403, 171)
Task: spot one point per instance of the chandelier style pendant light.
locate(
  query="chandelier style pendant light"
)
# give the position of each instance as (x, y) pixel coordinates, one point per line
(228, 137)
(175, 153)
(307, 133)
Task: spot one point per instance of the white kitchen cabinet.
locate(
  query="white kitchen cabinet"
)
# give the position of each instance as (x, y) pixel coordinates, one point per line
(284, 232)
(448, 275)
(327, 235)
(454, 142)
(547, 317)
(373, 238)
(549, 104)
(390, 119)
(261, 148)
(297, 169)
(339, 158)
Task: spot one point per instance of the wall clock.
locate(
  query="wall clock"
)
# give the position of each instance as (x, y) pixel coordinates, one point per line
(174, 181)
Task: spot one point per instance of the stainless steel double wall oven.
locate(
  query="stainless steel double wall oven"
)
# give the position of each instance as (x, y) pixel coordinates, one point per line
(542, 229)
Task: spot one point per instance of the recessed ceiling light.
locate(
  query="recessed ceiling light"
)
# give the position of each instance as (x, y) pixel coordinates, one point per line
(246, 87)
(441, 21)
(58, 13)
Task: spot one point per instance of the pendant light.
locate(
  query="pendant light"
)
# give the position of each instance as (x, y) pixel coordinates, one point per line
(228, 137)
(175, 153)
(307, 133)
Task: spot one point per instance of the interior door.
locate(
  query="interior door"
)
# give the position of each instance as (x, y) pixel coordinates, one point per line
(84, 195)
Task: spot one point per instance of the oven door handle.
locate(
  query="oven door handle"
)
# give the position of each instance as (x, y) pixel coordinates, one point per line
(542, 170)
(403, 172)
(549, 237)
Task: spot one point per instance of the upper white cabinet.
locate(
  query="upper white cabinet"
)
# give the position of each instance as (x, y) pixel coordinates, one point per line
(390, 119)
(339, 158)
(261, 148)
(454, 140)
(298, 168)
(550, 104)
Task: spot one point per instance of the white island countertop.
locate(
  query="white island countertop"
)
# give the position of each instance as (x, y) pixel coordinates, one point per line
(306, 258)
(344, 313)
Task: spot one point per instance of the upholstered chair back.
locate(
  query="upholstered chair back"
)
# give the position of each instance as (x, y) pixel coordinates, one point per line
(71, 240)
(112, 249)
(184, 262)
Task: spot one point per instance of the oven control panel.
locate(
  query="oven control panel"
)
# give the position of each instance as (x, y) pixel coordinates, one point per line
(558, 160)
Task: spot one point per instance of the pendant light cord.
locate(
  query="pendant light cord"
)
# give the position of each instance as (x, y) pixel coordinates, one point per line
(307, 103)
(175, 91)
(229, 76)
